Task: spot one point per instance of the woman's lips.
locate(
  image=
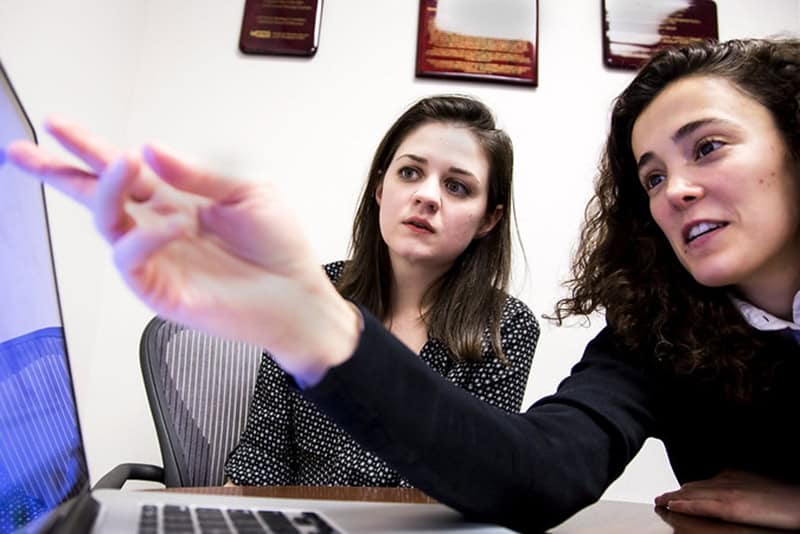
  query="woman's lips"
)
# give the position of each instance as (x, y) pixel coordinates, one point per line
(419, 225)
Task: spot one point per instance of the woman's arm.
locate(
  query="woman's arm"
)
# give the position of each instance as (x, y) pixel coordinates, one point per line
(527, 471)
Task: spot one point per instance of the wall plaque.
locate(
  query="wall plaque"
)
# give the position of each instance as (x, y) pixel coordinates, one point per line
(633, 30)
(493, 40)
(284, 27)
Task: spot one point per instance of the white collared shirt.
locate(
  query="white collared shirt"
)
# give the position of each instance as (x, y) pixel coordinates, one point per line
(762, 320)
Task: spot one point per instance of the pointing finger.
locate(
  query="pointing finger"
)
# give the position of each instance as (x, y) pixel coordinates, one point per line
(73, 181)
(95, 152)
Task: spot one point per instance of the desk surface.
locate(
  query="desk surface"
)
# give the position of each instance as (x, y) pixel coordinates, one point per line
(602, 517)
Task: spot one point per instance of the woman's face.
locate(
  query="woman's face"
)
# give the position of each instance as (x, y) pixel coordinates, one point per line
(433, 196)
(721, 184)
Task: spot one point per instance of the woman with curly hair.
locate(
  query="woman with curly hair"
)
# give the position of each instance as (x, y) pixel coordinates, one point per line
(691, 247)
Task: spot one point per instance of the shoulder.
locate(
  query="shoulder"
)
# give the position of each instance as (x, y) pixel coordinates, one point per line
(519, 333)
(608, 345)
(516, 315)
(607, 351)
(334, 270)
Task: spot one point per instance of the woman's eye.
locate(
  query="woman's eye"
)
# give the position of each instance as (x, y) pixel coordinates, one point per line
(457, 188)
(408, 173)
(706, 147)
(652, 180)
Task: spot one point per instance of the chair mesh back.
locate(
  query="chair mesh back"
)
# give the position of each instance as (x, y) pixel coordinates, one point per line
(202, 386)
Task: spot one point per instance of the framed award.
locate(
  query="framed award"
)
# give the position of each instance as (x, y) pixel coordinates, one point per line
(283, 27)
(633, 30)
(495, 41)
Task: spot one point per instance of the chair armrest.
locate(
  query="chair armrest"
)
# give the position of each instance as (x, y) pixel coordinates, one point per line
(117, 477)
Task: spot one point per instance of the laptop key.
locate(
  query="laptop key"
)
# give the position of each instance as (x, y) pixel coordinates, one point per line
(148, 520)
(310, 518)
(245, 522)
(277, 522)
(177, 520)
(212, 521)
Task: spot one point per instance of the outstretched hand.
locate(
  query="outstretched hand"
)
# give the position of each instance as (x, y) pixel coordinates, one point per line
(204, 249)
(739, 497)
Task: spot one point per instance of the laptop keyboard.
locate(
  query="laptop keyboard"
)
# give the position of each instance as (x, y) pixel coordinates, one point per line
(170, 519)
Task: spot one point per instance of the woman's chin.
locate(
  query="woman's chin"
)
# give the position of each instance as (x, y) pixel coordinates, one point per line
(713, 278)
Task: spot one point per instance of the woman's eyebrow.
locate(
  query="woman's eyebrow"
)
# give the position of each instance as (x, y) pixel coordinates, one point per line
(458, 170)
(681, 133)
(690, 127)
(646, 157)
(418, 159)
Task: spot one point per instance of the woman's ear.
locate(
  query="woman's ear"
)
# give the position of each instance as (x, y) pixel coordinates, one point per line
(379, 189)
(490, 220)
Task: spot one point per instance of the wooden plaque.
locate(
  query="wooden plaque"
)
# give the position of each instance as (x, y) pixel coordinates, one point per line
(494, 41)
(633, 30)
(284, 27)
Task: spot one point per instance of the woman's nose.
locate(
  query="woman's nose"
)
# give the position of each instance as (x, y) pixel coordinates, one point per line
(684, 190)
(428, 193)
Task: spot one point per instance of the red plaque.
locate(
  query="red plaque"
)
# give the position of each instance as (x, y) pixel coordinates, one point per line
(284, 27)
(633, 30)
(493, 41)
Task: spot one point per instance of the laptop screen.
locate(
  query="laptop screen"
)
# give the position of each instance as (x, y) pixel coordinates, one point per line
(42, 462)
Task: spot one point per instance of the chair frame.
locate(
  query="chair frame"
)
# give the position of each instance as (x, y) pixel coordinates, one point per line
(175, 468)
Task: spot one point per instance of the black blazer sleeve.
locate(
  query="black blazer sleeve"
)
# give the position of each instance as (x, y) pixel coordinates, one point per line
(527, 471)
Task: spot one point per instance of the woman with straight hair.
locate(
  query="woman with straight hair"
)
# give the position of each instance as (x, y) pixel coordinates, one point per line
(691, 247)
(431, 258)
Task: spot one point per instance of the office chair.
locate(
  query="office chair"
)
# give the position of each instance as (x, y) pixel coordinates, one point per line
(199, 388)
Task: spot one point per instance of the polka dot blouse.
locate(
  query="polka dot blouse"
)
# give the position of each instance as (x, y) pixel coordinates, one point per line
(288, 441)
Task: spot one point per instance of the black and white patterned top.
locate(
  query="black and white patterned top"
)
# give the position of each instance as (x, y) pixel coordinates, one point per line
(288, 441)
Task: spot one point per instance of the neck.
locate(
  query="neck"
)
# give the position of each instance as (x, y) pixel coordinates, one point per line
(775, 295)
(410, 282)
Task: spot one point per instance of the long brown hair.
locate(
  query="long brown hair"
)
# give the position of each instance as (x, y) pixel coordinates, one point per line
(468, 299)
(625, 265)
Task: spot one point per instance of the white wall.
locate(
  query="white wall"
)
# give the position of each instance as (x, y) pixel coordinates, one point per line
(170, 70)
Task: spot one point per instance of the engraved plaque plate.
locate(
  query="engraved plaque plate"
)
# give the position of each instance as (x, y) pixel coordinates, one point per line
(284, 27)
(633, 30)
(493, 40)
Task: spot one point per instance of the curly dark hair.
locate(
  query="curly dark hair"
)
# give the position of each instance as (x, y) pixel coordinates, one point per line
(624, 264)
(469, 298)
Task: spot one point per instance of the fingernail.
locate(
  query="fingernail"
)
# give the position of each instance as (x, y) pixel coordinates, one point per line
(52, 121)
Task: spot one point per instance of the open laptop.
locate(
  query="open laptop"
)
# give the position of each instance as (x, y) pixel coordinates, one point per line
(44, 478)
